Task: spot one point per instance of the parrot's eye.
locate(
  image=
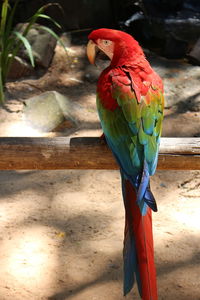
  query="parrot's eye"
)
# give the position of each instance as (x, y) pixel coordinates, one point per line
(106, 42)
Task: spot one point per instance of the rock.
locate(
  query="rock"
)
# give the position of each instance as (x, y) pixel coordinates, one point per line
(19, 68)
(169, 27)
(48, 110)
(42, 43)
(194, 102)
(194, 54)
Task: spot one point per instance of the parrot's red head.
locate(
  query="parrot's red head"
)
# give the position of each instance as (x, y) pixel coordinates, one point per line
(117, 45)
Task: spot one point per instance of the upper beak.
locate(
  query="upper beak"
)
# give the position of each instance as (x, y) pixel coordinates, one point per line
(91, 51)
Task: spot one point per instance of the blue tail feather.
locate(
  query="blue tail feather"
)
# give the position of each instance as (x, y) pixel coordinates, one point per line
(130, 262)
(131, 268)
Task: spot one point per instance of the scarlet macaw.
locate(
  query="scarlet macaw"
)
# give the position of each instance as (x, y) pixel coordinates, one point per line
(130, 105)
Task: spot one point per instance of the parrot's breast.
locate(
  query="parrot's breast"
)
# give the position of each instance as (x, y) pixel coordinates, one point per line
(104, 91)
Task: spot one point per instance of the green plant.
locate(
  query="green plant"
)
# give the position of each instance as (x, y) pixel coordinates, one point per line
(11, 40)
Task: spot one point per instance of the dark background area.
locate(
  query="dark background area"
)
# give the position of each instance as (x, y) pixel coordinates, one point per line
(171, 28)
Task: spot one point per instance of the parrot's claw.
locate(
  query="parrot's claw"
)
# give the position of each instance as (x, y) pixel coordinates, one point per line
(103, 139)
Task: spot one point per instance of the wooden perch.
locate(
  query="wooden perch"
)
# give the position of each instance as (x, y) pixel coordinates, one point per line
(24, 153)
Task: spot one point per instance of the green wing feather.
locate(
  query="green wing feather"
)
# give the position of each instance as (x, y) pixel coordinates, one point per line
(134, 125)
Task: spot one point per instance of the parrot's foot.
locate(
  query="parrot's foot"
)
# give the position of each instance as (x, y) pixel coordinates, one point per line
(103, 139)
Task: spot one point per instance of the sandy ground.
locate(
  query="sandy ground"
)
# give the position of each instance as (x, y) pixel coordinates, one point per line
(62, 231)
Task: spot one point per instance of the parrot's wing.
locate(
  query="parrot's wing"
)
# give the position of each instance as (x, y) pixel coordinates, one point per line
(144, 114)
(133, 130)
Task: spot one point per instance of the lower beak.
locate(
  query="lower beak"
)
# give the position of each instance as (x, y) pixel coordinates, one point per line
(91, 51)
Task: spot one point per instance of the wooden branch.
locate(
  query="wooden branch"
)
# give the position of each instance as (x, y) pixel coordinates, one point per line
(88, 153)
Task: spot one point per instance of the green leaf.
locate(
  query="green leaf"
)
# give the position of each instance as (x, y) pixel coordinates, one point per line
(9, 23)
(39, 13)
(9, 45)
(49, 18)
(2, 96)
(26, 45)
(4, 12)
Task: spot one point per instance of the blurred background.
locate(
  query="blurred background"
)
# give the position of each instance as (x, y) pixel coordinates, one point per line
(171, 28)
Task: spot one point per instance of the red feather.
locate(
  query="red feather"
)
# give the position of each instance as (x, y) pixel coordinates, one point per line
(143, 236)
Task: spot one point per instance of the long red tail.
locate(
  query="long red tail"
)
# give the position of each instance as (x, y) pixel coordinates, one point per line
(139, 229)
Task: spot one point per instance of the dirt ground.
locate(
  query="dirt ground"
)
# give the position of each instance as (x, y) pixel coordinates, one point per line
(62, 231)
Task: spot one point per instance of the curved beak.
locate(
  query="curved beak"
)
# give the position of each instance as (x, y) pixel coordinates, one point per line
(91, 51)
